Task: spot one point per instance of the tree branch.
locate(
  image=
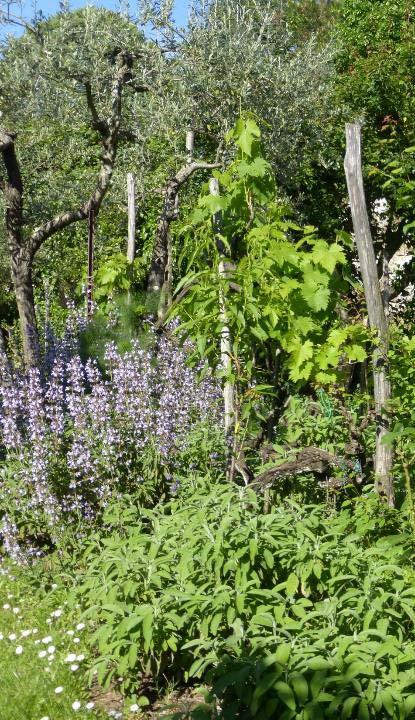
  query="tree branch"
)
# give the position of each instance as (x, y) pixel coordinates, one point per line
(110, 132)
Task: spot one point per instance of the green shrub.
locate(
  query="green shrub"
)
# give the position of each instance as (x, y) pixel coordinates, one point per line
(300, 613)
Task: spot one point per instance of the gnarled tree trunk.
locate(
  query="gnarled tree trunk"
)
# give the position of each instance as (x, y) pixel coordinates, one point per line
(159, 278)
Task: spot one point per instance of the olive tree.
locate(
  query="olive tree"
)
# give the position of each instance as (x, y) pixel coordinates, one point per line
(65, 109)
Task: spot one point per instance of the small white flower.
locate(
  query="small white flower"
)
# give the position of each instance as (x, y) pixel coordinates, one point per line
(74, 667)
(42, 653)
(37, 642)
(46, 640)
(51, 649)
(76, 640)
(54, 586)
(19, 650)
(35, 631)
(80, 658)
(48, 621)
(12, 636)
(134, 708)
(70, 632)
(1, 636)
(57, 612)
(70, 658)
(45, 717)
(16, 610)
(76, 705)
(80, 626)
(26, 633)
(58, 689)
(90, 705)
(6, 606)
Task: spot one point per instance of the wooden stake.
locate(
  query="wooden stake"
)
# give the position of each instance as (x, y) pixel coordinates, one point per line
(376, 311)
(90, 273)
(225, 339)
(190, 143)
(131, 217)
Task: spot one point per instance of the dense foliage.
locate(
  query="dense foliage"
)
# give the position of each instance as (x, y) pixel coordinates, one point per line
(191, 515)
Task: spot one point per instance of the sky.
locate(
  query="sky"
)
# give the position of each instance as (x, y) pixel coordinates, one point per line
(49, 7)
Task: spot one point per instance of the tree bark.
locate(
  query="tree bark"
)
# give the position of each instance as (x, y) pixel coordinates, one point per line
(158, 280)
(375, 307)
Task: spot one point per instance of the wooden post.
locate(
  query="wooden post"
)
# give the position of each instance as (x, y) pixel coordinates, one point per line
(190, 143)
(90, 273)
(376, 311)
(131, 217)
(225, 338)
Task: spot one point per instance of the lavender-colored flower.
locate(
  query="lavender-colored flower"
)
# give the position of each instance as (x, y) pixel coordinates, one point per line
(83, 435)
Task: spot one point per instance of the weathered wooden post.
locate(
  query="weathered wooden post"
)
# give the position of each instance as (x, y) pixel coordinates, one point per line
(131, 217)
(90, 271)
(376, 311)
(225, 337)
(190, 143)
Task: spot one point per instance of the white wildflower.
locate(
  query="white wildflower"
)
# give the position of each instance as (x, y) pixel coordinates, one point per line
(51, 649)
(70, 658)
(42, 653)
(46, 640)
(58, 689)
(80, 626)
(74, 667)
(19, 650)
(12, 636)
(76, 705)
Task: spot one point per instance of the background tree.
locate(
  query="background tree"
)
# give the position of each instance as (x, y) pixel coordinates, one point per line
(82, 90)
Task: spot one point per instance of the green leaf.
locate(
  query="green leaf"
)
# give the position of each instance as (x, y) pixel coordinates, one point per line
(269, 558)
(282, 653)
(300, 685)
(147, 630)
(348, 706)
(246, 135)
(291, 586)
(285, 694)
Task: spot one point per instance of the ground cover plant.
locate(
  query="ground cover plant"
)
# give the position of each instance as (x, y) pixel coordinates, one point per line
(207, 347)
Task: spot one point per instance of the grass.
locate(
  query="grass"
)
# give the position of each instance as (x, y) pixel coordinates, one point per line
(42, 650)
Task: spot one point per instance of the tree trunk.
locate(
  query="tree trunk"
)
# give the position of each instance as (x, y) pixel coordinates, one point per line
(375, 307)
(158, 279)
(21, 267)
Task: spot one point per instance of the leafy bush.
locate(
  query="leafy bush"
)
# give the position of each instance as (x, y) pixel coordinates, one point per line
(295, 613)
(83, 437)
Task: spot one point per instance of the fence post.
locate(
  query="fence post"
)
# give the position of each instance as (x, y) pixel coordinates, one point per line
(376, 311)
